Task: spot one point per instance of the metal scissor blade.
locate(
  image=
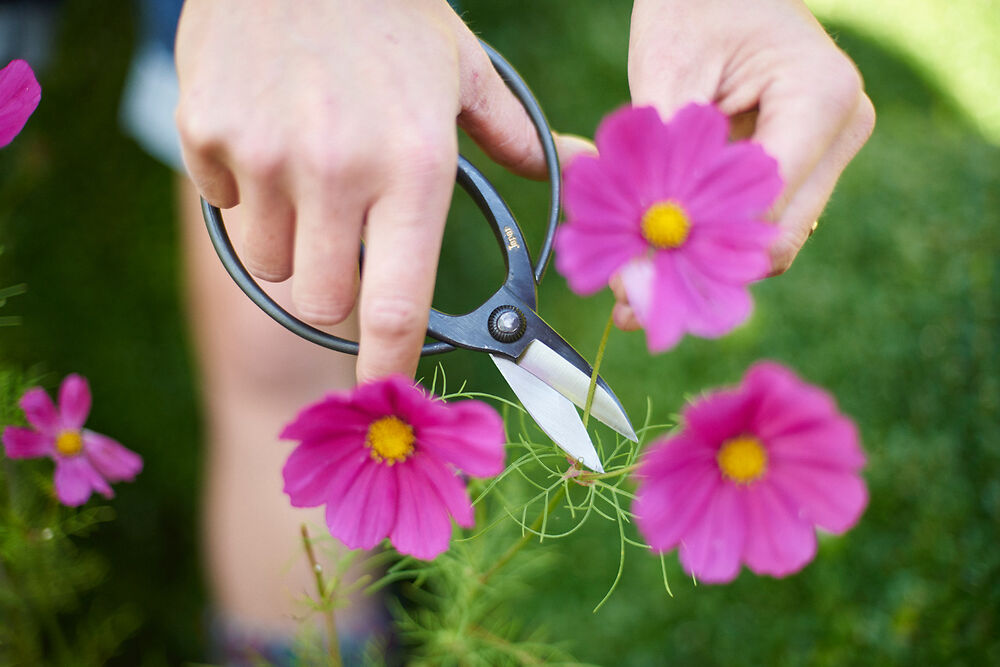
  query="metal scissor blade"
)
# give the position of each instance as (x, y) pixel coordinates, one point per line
(561, 374)
(553, 412)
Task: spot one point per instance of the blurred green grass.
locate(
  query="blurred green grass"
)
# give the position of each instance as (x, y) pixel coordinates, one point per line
(893, 305)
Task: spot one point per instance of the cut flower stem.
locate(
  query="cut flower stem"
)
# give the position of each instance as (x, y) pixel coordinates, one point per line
(561, 492)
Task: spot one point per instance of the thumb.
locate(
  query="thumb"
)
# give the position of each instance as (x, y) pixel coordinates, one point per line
(497, 121)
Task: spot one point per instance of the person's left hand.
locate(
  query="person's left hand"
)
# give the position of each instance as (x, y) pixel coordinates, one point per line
(771, 67)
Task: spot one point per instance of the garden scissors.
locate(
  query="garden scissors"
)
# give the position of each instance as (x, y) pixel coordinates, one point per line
(548, 376)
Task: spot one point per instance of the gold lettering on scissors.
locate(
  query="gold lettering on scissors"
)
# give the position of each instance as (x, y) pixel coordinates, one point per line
(511, 239)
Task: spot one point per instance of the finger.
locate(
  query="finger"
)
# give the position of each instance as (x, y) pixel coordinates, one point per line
(202, 157)
(268, 230)
(569, 146)
(494, 118)
(328, 220)
(801, 115)
(807, 203)
(617, 286)
(404, 230)
(624, 317)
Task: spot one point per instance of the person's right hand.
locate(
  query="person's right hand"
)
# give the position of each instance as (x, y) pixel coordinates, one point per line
(326, 119)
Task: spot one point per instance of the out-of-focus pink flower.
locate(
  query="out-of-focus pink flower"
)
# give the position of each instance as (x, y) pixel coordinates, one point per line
(676, 209)
(384, 459)
(750, 476)
(85, 461)
(19, 97)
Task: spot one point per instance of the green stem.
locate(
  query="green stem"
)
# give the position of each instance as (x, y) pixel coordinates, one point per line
(618, 472)
(331, 623)
(517, 546)
(597, 368)
(558, 495)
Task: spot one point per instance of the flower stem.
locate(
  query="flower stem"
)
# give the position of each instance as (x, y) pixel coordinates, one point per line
(517, 546)
(597, 367)
(617, 472)
(558, 495)
(331, 623)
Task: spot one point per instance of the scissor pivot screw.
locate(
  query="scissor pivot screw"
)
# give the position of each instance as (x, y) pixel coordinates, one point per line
(507, 324)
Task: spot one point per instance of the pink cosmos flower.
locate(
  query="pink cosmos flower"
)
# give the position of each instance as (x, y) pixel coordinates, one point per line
(750, 476)
(19, 96)
(85, 461)
(384, 459)
(676, 209)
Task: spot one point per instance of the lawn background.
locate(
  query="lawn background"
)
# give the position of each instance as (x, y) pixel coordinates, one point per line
(893, 305)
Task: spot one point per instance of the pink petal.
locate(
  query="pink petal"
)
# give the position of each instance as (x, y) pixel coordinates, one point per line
(734, 253)
(365, 513)
(410, 402)
(19, 97)
(778, 542)
(40, 411)
(74, 480)
(309, 467)
(113, 461)
(719, 416)
(422, 527)
(832, 444)
(74, 401)
(634, 146)
(681, 451)
(831, 499)
(740, 182)
(471, 438)
(588, 257)
(379, 398)
(713, 548)
(785, 403)
(330, 417)
(667, 506)
(24, 443)
(695, 136)
(449, 487)
(714, 308)
(652, 300)
(333, 481)
(595, 192)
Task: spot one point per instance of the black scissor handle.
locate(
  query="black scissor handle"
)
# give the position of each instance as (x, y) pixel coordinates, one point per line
(521, 275)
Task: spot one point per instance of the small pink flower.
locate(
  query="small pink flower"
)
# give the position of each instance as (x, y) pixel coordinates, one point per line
(384, 459)
(750, 476)
(676, 209)
(19, 96)
(85, 461)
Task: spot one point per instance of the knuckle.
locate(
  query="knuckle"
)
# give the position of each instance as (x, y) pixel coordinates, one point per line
(864, 118)
(389, 317)
(260, 158)
(475, 92)
(521, 144)
(426, 155)
(329, 162)
(842, 84)
(199, 132)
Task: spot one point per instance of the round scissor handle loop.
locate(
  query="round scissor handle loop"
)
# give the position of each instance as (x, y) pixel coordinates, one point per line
(238, 272)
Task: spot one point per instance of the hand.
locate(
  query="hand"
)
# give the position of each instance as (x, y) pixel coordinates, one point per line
(770, 66)
(326, 119)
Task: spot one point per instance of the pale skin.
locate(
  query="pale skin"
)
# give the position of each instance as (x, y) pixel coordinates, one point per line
(318, 122)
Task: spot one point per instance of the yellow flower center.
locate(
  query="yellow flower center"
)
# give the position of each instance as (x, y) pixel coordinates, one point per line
(390, 439)
(665, 225)
(69, 443)
(742, 459)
